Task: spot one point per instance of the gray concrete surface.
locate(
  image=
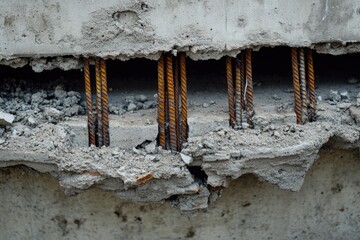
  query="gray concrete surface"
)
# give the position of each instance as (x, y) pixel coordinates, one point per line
(204, 29)
(33, 206)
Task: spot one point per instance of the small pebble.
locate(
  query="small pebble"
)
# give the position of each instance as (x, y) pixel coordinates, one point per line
(205, 105)
(276, 97)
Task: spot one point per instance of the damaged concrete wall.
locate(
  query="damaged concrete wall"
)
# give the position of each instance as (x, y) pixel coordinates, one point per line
(204, 29)
(325, 208)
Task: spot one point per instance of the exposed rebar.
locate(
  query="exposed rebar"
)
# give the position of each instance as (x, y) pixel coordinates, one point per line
(242, 80)
(177, 101)
(161, 101)
(311, 84)
(89, 106)
(249, 88)
(183, 80)
(304, 101)
(297, 94)
(98, 103)
(238, 96)
(105, 103)
(171, 97)
(230, 89)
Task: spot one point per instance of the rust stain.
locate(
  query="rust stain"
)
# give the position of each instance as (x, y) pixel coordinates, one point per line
(143, 179)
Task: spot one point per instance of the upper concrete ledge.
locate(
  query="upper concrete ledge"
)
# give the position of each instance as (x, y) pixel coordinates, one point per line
(204, 29)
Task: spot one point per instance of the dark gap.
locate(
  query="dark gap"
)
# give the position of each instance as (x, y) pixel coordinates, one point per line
(198, 173)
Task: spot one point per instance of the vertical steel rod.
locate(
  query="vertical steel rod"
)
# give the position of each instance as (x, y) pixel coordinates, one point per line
(297, 94)
(304, 101)
(230, 89)
(311, 84)
(238, 94)
(98, 103)
(249, 90)
(242, 79)
(161, 101)
(183, 80)
(105, 103)
(177, 102)
(171, 97)
(89, 106)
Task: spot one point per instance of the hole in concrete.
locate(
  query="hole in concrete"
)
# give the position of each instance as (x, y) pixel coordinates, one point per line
(198, 174)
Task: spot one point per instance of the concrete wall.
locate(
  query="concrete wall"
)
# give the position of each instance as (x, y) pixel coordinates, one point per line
(33, 206)
(205, 29)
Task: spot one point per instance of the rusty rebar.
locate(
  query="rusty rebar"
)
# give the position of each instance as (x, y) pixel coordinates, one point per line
(177, 101)
(242, 80)
(249, 88)
(89, 106)
(304, 101)
(297, 94)
(311, 84)
(238, 96)
(183, 80)
(230, 90)
(161, 101)
(171, 97)
(105, 103)
(98, 103)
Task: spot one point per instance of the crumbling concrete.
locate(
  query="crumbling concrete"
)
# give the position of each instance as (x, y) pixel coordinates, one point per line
(204, 30)
(326, 207)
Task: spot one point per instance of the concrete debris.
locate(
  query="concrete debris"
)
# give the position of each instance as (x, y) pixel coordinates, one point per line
(141, 98)
(205, 105)
(187, 159)
(2, 141)
(344, 95)
(334, 96)
(358, 100)
(352, 81)
(276, 97)
(151, 147)
(131, 107)
(6, 119)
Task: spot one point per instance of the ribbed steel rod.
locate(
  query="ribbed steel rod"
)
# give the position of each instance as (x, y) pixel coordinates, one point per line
(161, 101)
(105, 103)
(311, 84)
(242, 80)
(238, 96)
(230, 89)
(98, 103)
(183, 80)
(89, 106)
(177, 102)
(304, 101)
(297, 94)
(171, 97)
(249, 88)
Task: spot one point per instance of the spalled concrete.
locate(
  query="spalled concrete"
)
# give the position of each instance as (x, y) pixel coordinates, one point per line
(325, 208)
(203, 29)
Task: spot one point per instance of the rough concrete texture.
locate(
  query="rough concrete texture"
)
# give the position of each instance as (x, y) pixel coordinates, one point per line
(325, 208)
(203, 29)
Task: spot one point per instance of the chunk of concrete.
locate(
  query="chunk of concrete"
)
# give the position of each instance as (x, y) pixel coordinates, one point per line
(6, 119)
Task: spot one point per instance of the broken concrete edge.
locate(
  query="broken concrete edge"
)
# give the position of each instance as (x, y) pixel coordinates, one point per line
(70, 61)
(169, 178)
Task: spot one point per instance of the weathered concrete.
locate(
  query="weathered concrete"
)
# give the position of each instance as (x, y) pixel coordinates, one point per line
(33, 206)
(204, 29)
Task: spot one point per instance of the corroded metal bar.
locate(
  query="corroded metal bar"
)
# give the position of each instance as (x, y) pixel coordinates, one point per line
(311, 84)
(161, 101)
(183, 80)
(104, 103)
(89, 106)
(249, 88)
(297, 94)
(177, 102)
(98, 103)
(238, 96)
(171, 97)
(304, 101)
(242, 80)
(230, 89)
